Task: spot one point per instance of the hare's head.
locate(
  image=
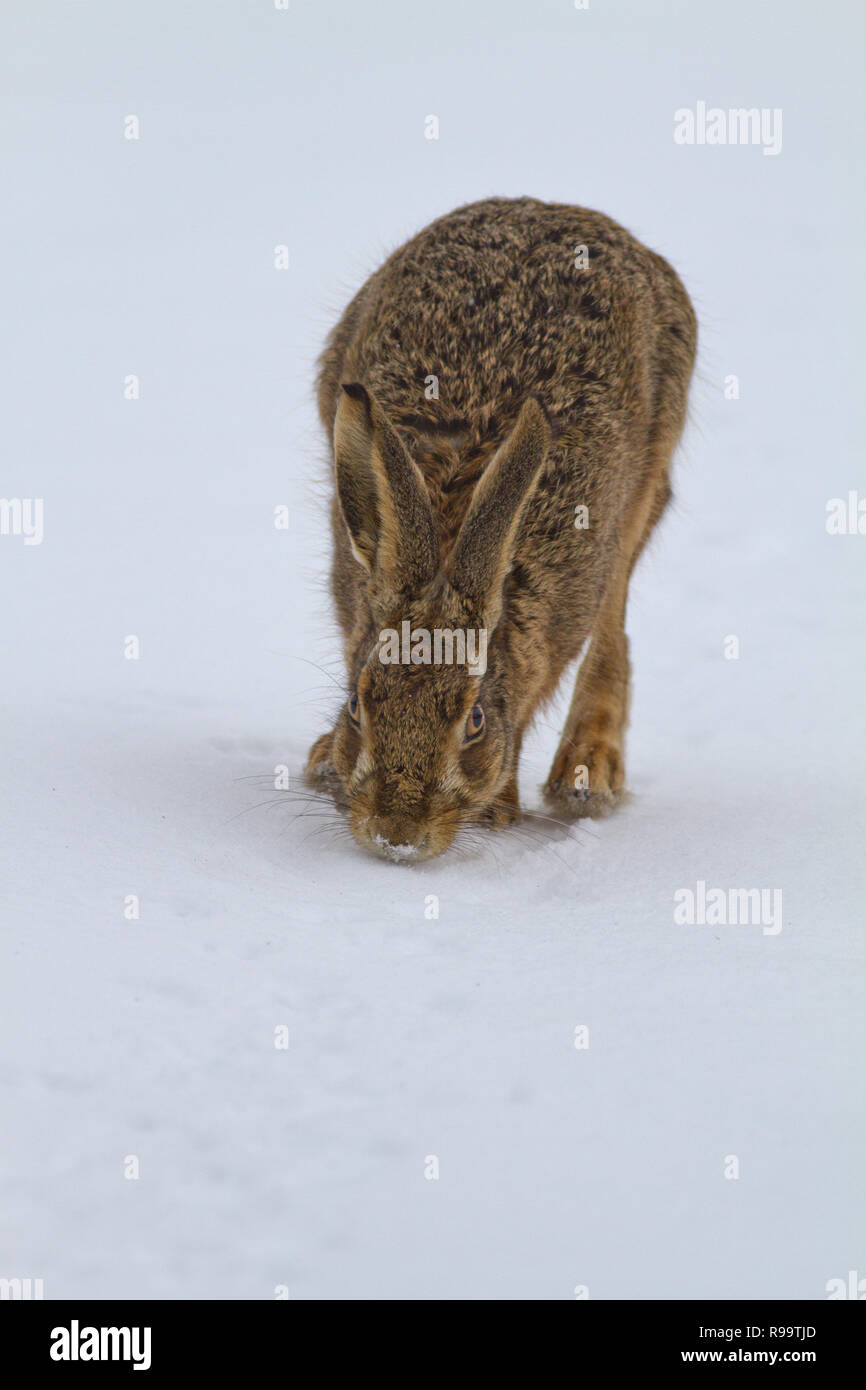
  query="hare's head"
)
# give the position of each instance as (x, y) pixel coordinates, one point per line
(427, 739)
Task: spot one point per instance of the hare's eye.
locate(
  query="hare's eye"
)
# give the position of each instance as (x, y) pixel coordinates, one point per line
(354, 708)
(475, 723)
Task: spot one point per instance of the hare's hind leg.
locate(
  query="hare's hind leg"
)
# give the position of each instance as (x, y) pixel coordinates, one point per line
(588, 772)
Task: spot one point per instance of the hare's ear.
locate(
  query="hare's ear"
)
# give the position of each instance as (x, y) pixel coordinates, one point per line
(383, 498)
(482, 552)
(356, 486)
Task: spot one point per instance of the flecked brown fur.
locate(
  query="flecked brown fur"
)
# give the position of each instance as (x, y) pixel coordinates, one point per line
(559, 387)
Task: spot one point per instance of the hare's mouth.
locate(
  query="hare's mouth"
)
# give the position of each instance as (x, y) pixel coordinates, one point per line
(400, 841)
(398, 854)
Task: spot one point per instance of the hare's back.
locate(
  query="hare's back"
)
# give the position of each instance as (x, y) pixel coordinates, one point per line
(505, 297)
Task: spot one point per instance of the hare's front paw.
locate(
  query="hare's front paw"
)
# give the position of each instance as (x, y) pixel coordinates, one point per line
(319, 770)
(586, 781)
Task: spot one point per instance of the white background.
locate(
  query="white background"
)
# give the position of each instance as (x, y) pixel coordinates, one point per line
(411, 1037)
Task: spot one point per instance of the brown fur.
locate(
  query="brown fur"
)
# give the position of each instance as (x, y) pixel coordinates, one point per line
(558, 387)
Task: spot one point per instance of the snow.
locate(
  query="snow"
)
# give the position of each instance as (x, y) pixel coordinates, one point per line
(398, 854)
(413, 1037)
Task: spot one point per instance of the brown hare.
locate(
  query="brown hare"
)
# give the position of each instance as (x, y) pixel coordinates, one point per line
(504, 394)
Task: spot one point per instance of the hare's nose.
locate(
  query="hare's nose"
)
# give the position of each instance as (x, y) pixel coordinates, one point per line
(401, 844)
(398, 854)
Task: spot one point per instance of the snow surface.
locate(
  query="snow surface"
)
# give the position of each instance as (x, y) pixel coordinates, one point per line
(409, 1037)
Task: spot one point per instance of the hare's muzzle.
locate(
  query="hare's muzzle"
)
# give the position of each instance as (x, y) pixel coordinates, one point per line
(392, 838)
(398, 840)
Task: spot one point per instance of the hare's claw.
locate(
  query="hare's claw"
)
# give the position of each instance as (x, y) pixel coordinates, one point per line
(586, 782)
